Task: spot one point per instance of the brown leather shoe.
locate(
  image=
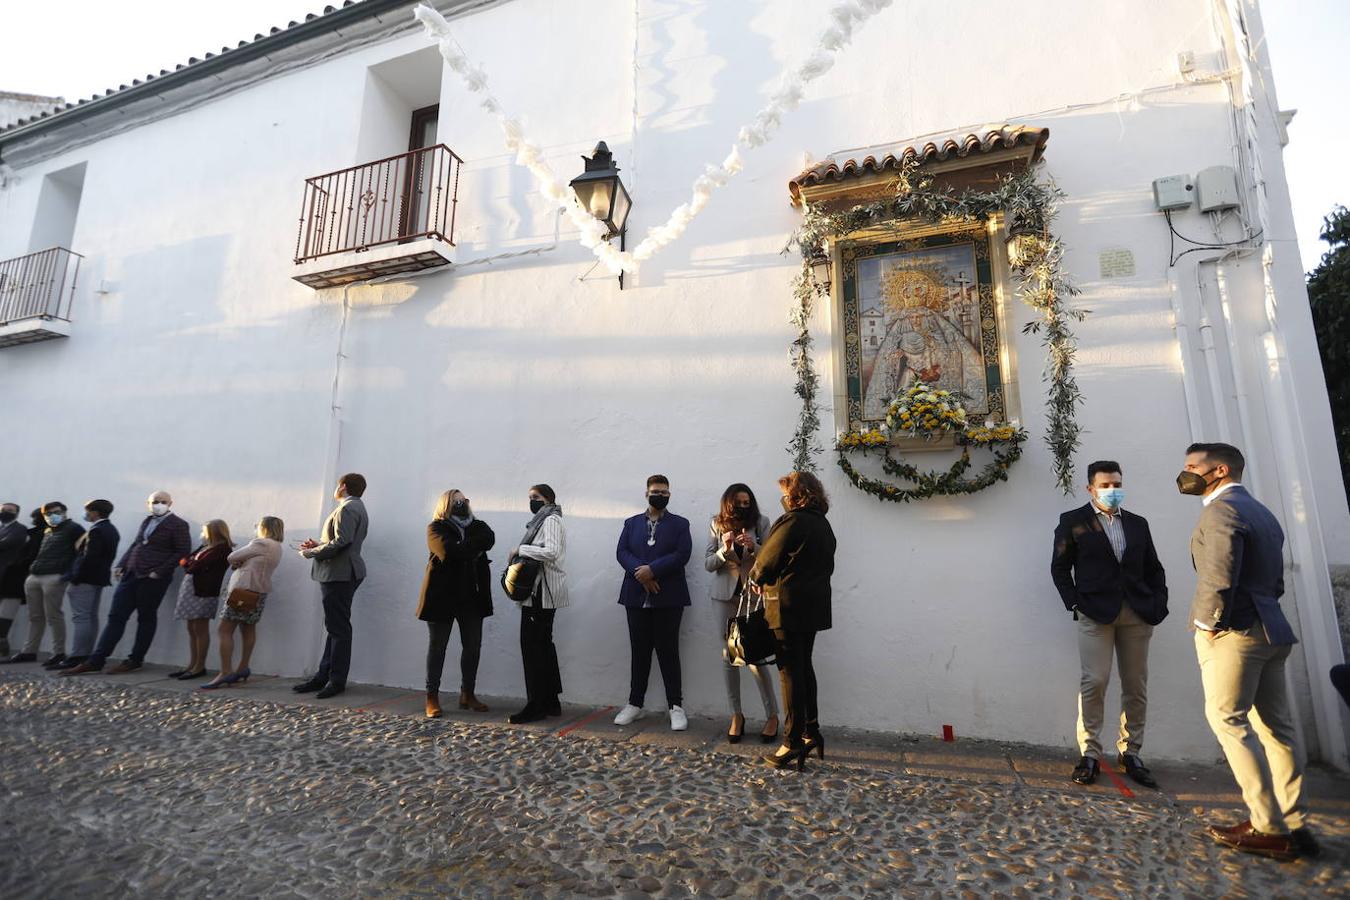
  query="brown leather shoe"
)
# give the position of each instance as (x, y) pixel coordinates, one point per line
(1276, 846)
(82, 669)
(1218, 831)
(124, 667)
(468, 701)
(433, 705)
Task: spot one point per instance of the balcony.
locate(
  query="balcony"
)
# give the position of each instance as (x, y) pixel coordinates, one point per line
(381, 218)
(36, 292)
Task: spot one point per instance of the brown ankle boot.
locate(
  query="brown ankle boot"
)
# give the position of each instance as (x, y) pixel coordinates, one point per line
(433, 705)
(468, 701)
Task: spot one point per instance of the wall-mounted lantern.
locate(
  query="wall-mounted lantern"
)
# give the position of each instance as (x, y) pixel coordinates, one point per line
(600, 191)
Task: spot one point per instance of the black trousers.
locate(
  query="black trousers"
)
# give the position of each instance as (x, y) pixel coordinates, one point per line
(659, 630)
(543, 680)
(798, 677)
(470, 648)
(140, 594)
(337, 621)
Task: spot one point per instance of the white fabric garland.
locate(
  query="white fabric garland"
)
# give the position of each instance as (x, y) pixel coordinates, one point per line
(845, 17)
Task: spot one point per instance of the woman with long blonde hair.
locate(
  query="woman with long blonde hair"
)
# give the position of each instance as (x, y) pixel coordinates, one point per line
(457, 588)
(199, 594)
(253, 565)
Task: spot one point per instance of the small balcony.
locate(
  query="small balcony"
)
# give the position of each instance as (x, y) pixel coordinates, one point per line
(381, 218)
(36, 292)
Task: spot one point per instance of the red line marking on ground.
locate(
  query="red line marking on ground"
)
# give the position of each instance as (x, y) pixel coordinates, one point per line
(563, 732)
(1120, 785)
(386, 700)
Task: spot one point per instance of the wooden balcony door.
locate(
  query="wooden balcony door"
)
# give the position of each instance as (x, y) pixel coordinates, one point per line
(417, 174)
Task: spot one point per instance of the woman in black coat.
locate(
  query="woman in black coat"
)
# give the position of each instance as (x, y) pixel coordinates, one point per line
(793, 572)
(457, 588)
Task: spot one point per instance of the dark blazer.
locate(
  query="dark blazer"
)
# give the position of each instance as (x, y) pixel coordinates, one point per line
(11, 584)
(1092, 582)
(207, 567)
(674, 545)
(1238, 552)
(13, 541)
(93, 564)
(161, 552)
(794, 566)
(458, 580)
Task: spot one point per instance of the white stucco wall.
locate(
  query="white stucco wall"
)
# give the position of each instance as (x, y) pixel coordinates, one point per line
(198, 366)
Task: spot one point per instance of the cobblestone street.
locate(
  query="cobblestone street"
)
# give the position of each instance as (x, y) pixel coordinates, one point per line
(142, 788)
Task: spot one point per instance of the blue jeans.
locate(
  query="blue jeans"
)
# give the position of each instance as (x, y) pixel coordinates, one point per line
(337, 621)
(84, 600)
(135, 593)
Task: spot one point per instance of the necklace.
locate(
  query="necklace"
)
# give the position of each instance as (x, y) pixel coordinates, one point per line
(651, 532)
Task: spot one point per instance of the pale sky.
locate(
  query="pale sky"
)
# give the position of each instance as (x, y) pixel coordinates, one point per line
(91, 46)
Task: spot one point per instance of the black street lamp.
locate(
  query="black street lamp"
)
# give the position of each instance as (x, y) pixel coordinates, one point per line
(600, 192)
(821, 269)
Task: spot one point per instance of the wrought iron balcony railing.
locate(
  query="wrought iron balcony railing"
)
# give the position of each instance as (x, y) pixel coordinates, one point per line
(401, 198)
(38, 286)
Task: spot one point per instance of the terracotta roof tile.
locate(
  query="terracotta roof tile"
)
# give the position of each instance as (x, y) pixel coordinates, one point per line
(959, 146)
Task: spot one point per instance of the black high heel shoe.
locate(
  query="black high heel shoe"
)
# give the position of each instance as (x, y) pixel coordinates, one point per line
(815, 742)
(795, 756)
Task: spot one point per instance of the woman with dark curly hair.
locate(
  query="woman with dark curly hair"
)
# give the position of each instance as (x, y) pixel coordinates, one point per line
(792, 570)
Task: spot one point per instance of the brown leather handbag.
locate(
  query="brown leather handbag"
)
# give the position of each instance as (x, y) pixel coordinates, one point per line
(242, 600)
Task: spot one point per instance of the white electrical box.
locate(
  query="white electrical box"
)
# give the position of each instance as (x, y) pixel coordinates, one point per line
(1217, 188)
(1173, 192)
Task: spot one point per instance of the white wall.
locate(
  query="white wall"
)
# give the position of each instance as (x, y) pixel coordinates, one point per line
(206, 371)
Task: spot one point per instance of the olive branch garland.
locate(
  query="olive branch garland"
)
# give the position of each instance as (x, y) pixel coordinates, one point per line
(1042, 284)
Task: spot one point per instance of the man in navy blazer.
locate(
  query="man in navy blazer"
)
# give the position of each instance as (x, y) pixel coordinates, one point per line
(653, 550)
(1108, 575)
(143, 575)
(1242, 641)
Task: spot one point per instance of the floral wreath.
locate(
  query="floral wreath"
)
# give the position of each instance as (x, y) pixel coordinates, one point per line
(927, 412)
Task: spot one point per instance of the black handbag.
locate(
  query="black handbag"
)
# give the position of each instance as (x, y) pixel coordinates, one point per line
(750, 642)
(520, 577)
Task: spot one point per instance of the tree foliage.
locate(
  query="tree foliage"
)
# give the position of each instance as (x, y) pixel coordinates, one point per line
(1329, 293)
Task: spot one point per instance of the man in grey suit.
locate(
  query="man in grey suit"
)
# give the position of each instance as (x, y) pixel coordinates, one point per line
(1242, 641)
(339, 569)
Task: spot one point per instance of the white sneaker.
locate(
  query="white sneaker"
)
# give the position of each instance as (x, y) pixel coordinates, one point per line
(678, 720)
(628, 715)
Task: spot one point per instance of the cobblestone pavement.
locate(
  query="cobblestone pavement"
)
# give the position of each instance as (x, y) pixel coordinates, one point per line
(120, 790)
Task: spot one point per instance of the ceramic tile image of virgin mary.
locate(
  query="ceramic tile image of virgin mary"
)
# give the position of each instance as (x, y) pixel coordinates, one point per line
(920, 320)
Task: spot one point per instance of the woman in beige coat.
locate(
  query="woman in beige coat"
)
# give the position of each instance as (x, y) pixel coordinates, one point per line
(253, 566)
(734, 536)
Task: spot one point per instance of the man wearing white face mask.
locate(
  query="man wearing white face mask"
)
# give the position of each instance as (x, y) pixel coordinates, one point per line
(144, 573)
(1108, 575)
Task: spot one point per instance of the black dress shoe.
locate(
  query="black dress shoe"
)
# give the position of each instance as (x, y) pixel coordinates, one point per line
(527, 715)
(1304, 842)
(73, 661)
(553, 710)
(330, 690)
(309, 687)
(179, 674)
(1136, 770)
(54, 662)
(20, 658)
(1086, 770)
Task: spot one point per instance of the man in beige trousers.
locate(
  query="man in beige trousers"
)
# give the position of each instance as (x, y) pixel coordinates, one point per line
(1242, 641)
(1108, 575)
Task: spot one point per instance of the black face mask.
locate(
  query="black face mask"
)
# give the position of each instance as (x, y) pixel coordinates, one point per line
(657, 501)
(745, 513)
(536, 505)
(459, 508)
(1193, 483)
(7, 517)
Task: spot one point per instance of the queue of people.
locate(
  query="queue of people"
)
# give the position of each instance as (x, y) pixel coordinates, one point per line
(767, 580)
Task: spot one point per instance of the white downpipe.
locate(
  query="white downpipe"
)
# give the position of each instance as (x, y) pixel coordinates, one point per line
(1187, 352)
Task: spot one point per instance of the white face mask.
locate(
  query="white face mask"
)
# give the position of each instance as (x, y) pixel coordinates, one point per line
(159, 509)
